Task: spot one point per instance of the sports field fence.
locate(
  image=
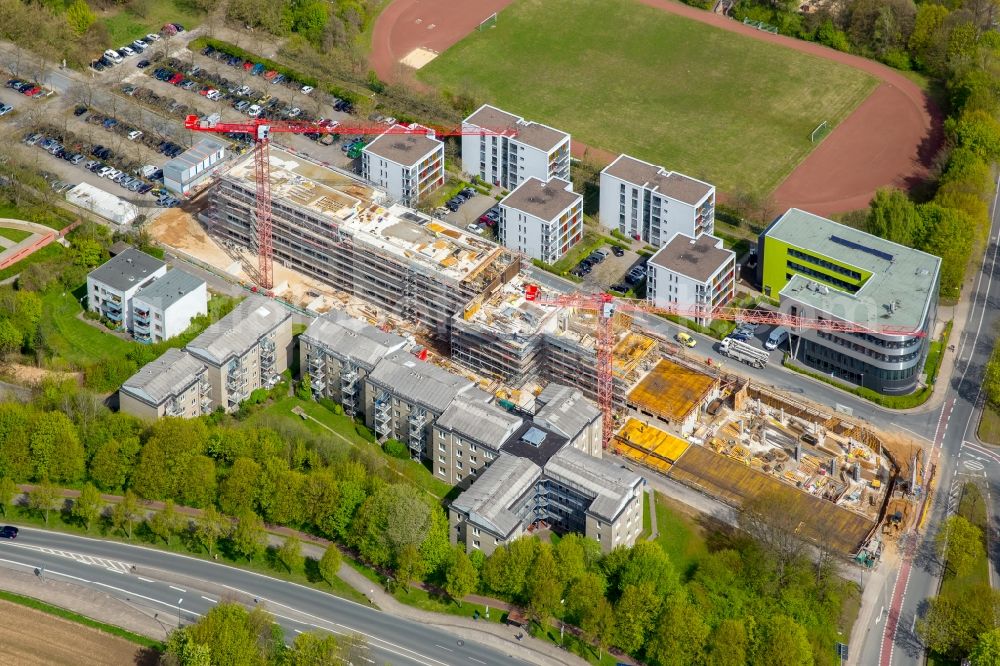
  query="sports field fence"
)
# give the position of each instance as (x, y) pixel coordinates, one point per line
(821, 130)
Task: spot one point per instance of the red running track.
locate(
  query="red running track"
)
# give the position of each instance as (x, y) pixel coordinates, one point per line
(890, 139)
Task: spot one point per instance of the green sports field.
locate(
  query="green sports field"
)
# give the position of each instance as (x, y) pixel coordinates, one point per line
(624, 77)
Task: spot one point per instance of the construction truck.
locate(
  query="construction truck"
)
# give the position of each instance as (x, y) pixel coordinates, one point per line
(743, 352)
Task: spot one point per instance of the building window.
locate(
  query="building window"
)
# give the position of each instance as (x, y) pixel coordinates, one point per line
(475, 544)
(441, 459)
(442, 471)
(458, 464)
(441, 446)
(472, 448)
(475, 531)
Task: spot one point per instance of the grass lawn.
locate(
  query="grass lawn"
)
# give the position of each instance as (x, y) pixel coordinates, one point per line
(989, 426)
(712, 104)
(680, 536)
(125, 25)
(74, 340)
(47, 215)
(50, 251)
(16, 235)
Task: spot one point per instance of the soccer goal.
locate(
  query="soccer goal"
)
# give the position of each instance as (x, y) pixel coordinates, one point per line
(821, 130)
(488, 22)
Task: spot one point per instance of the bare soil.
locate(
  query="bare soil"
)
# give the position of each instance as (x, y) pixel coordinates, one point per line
(30, 637)
(28, 375)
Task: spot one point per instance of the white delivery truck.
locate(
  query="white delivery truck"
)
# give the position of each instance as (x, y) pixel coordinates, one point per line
(741, 351)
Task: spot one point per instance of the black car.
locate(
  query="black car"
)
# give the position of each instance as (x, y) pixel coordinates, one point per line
(617, 251)
(79, 111)
(97, 65)
(8, 532)
(142, 64)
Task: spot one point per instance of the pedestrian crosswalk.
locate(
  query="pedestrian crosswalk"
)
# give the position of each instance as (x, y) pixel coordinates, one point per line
(90, 560)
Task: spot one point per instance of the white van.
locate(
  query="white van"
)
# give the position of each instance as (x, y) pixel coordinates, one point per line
(777, 338)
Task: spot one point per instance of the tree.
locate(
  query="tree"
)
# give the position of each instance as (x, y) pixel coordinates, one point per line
(927, 35)
(235, 635)
(598, 625)
(313, 649)
(987, 650)
(574, 554)
(11, 337)
(680, 635)
(953, 623)
(304, 392)
(979, 131)
(248, 536)
(774, 522)
(648, 563)
(394, 516)
(126, 513)
(544, 587)
(461, 577)
(290, 553)
(949, 235)
(44, 498)
(55, 448)
(199, 491)
(409, 566)
(8, 490)
(894, 217)
(239, 491)
(165, 522)
(729, 644)
(209, 528)
(88, 506)
(634, 614)
(506, 570)
(583, 594)
(783, 642)
(329, 564)
(113, 461)
(165, 464)
(959, 545)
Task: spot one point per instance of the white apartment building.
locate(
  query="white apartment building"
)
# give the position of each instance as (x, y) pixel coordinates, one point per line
(245, 350)
(691, 273)
(111, 286)
(651, 204)
(176, 384)
(166, 307)
(530, 150)
(542, 219)
(407, 166)
(339, 352)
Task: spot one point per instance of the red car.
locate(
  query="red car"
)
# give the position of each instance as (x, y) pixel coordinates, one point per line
(31, 92)
(247, 65)
(176, 78)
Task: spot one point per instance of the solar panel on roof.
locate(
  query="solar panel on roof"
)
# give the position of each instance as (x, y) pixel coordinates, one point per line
(864, 248)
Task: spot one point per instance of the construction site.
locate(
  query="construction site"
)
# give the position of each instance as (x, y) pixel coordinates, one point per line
(339, 244)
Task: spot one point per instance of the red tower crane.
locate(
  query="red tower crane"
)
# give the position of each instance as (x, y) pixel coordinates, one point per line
(260, 131)
(605, 305)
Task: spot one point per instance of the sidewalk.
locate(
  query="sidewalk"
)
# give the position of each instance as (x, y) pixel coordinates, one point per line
(495, 635)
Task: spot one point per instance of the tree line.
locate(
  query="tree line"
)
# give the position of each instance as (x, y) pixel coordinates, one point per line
(746, 602)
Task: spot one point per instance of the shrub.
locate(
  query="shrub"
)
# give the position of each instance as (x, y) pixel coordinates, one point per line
(396, 449)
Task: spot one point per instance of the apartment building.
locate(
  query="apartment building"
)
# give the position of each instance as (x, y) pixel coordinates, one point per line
(192, 167)
(407, 166)
(511, 149)
(176, 384)
(693, 274)
(819, 269)
(567, 412)
(542, 219)
(245, 350)
(414, 267)
(467, 438)
(166, 307)
(339, 352)
(570, 492)
(405, 396)
(112, 285)
(649, 203)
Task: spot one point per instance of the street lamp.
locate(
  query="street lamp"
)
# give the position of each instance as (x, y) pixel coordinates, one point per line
(179, 612)
(562, 622)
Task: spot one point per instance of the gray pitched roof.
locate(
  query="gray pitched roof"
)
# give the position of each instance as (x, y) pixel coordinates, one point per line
(416, 381)
(193, 156)
(126, 270)
(491, 501)
(351, 339)
(164, 378)
(565, 410)
(698, 259)
(669, 183)
(486, 424)
(169, 289)
(238, 332)
(609, 485)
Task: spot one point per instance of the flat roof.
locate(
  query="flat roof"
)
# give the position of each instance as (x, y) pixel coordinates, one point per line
(355, 210)
(545, 201)
(352, 339)
(195, 155)
(534, 441)
(671, 390)
(169, 289)
(164, 378)
(490, 501)
(126, 270)
(420, 382)
(239, 331)
(529, 133)
(669, 183)
(698, 259)
(405, 149)
(901, 276)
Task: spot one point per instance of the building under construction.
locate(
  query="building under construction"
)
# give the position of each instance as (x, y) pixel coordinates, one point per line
(336, 229)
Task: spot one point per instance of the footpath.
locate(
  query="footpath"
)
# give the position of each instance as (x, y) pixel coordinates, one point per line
(111, 610)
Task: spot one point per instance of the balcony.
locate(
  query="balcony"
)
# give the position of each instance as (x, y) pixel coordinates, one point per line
(348, 380)
(383, 414)
(174, 408)
(142, 316)
(115, 316)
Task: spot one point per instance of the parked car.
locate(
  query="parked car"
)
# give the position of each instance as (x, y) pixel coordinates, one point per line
(139, 45)
(97, 65)
(134, 134)
(685, 339)
(115, 57)
(305, 90)
(143, 64)
(254, 110)
(79, 111)
(617, 251)
(152, 37)
(5, 109)
(474, 228)
(126, 51)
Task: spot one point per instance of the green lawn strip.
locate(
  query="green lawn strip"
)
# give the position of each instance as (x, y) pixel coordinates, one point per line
(915, 399)
(419, 598)
(45, 215)
(50, 251)
(125, 25)
(73, 339)
(989, 425)
(15, 235)
(680, 536)
(715, 105)
(65, 614)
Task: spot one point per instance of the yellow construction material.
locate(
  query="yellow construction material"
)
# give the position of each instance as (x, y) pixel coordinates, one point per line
(672, 391)
(653, 440)
(630, 352)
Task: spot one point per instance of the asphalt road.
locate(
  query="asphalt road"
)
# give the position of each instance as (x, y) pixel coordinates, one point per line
(173, 586)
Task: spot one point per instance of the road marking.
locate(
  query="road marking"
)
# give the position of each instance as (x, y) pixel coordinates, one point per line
(973, 465)
(297, 631)
(179, 589)
(478, 661)
(146, 580)
(912, 432)
(211, 601)
(443, 647)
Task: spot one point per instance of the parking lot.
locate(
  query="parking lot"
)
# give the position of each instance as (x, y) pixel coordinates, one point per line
(612, 272)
